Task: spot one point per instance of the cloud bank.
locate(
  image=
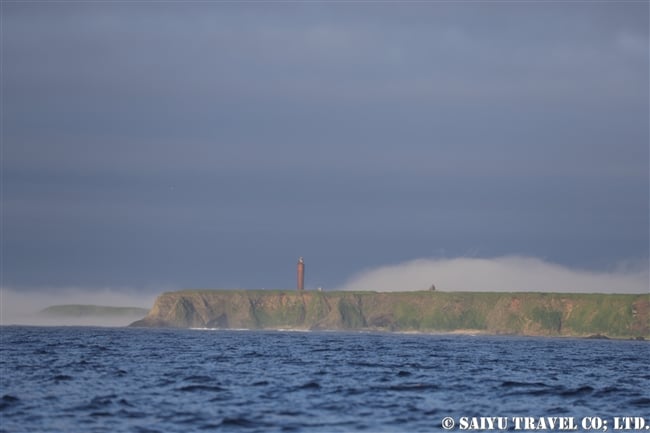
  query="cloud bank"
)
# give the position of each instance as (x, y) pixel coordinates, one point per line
(22, 307)
(500, 274)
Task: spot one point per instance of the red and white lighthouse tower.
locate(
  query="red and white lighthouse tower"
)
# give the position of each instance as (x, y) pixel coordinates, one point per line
(301, 274)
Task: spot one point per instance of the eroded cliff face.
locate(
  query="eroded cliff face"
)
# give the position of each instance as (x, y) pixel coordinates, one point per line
(543, 314)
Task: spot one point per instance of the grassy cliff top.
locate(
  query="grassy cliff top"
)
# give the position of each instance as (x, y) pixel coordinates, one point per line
(516, 313)
(458, 294)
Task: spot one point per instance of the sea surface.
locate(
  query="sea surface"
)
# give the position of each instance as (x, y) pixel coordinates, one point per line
(84, 379)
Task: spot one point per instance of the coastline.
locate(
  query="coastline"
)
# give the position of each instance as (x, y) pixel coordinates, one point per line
(457, 332)
(432, 312)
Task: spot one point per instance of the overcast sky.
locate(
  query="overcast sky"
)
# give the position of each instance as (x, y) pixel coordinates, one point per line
(158, 145)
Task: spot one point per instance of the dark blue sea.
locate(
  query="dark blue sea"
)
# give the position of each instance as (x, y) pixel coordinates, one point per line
(83, 379)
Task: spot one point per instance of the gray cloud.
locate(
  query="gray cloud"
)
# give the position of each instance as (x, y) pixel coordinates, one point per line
(160, 87)
(177, 140)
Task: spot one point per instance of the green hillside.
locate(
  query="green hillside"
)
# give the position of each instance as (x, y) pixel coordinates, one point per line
(542, 314)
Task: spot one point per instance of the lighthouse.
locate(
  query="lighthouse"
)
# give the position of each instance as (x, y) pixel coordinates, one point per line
(301, 274)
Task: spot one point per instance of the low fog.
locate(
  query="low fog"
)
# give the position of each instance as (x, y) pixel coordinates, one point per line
(22, 307)
(501, 274)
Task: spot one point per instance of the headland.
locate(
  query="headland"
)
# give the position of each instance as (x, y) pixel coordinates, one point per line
(496, 313)
(76, 310)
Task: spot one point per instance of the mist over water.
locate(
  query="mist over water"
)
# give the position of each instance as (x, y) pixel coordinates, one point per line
(23, 307)
(501, 274)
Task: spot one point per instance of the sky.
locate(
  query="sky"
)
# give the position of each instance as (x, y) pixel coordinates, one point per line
(151, 146)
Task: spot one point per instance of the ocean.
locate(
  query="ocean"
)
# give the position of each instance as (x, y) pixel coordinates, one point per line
(84, 379)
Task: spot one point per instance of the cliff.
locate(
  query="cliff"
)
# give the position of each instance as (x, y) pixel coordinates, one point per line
(540, 314)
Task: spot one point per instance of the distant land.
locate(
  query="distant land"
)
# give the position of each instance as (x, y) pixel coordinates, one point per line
(496, 313)
(92, 311)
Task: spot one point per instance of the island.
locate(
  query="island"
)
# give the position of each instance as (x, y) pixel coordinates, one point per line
(91, 311)
(496, 313)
